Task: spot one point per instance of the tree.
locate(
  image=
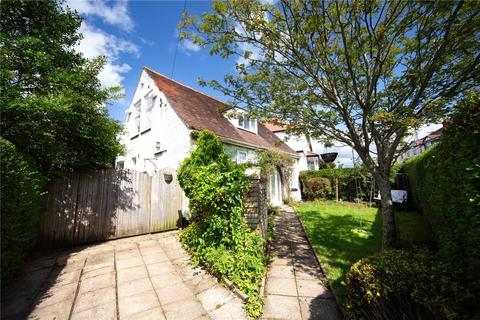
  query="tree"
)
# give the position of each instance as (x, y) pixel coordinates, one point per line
(53, 107)
(360, 72)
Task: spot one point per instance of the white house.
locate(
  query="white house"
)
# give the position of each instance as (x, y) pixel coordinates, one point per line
(164, 114)
(308, 160)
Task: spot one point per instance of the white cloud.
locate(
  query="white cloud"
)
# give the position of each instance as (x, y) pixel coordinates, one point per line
(188, 46)
(255, 53)
(116, 14)
(96, 43)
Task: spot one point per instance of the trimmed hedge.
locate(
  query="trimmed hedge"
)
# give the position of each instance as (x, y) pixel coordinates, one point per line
(406, 285)
(21, 203)
(445, 185)
(315, 185)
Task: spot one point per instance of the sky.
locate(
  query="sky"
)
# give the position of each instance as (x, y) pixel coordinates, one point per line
(144, 33)
(133, 34)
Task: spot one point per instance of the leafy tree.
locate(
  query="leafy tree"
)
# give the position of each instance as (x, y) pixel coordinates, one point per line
(53, 107)
(360, 72)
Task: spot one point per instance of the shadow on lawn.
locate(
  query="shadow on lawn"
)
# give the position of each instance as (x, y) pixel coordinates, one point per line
(337, 246)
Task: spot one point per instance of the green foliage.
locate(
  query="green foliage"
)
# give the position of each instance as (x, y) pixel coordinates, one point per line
(445, 185)
(330, 228)
(349, 181)
(406, 285)
(53, 112)
(53, 106)
(331, 68)
(268, 160)
(21, 203)
(315, 187)
(219, 236)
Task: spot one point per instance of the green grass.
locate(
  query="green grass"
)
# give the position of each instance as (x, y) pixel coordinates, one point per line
(329, 227)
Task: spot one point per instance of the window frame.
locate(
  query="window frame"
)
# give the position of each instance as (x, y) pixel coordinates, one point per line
(238, 156)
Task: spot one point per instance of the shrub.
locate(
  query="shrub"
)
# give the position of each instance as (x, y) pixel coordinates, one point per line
(21, 203)
(406, 285)
(316, 188)
(445, 186)
(219, 236)
(350, 180)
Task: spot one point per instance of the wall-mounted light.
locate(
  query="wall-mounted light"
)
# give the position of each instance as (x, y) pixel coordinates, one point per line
(168, 177)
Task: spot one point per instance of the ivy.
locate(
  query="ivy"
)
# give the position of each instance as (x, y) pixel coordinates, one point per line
(219, 236)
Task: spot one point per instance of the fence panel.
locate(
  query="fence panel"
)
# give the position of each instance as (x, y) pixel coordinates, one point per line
(109, 204)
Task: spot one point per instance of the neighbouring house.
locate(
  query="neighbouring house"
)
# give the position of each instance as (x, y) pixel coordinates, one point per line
(162, 120)
(308, 160)
(420, 145)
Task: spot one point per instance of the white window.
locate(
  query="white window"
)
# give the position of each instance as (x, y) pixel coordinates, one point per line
(137, 106)
(242, 156)
(149, 103)
(311, 165)
(134, 161)
(247, 123)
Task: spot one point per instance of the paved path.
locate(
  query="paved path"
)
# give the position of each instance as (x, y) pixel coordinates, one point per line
(295, 287)
(145, 277)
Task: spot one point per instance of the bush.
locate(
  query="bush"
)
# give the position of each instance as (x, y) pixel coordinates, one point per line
(406, 285)
(445, 186)
(350, 180)
(316, 188)
(21, 203)
(219, 236)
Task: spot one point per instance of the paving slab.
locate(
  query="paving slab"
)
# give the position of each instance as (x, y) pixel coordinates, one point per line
(145, 277)
(214, 298)
(295, 287)
(281, 307)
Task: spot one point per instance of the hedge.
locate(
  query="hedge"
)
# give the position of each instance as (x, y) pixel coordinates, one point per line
(406, 285)
(445, 185)
(21, 203)
(315, 186)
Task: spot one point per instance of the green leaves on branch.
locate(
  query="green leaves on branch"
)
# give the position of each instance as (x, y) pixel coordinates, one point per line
(219, 236)
(53, 105)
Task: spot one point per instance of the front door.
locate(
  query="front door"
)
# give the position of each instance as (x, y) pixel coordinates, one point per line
(275, 187)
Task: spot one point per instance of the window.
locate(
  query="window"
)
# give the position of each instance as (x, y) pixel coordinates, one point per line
(241, 156)
(311, 165)
(149, 103)
(137, 106)
(247, 123)
(134, 161)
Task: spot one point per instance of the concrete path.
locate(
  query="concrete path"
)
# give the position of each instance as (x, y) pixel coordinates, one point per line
(145, 277)
(295, 286)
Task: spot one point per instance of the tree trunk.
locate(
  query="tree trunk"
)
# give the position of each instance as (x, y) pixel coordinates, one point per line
(389, 237)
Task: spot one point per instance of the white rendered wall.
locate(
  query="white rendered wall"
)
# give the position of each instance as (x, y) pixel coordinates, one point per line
(166, 131)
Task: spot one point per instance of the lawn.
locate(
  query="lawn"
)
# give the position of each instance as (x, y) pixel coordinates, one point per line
(329, 227)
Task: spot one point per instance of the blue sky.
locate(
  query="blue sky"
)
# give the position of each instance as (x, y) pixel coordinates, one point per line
(144, 33)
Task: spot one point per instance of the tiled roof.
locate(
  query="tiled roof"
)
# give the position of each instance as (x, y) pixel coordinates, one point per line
(274, 127)
(199, 111)
(312, 154)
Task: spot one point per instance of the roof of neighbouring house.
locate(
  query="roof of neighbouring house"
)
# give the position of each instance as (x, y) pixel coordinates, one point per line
(275, 127)
(200, 111)
(311, 154)
(435, 135)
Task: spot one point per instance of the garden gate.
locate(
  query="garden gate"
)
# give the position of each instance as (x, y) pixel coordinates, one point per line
(109, 204)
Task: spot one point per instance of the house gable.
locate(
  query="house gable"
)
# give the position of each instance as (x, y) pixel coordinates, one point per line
(199, 111)
(155, 136)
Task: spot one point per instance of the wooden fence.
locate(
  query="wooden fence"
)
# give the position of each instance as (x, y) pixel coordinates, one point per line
(110, 204)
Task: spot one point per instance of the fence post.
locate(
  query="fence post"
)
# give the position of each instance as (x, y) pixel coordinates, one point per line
(336, 188)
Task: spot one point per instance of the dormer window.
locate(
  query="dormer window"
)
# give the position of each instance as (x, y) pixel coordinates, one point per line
(247, 123)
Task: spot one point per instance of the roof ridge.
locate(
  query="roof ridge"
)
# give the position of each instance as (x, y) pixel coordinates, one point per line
(184, 85)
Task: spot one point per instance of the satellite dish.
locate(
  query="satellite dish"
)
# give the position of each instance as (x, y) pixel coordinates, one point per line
(329, 157)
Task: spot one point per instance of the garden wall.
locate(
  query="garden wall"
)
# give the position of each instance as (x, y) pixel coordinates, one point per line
(256, 203)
